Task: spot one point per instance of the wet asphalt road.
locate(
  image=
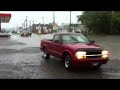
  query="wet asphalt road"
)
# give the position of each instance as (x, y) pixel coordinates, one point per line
(20, 58)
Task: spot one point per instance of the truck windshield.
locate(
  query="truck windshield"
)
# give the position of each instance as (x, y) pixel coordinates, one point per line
(76, 38)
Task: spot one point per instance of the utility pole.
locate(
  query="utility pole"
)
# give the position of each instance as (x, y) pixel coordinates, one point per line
(26, 23)
(42, 20)
(53, 17)
(42, 29)
(30, 26)
(22, 27)
(70, 21)
(54, 25)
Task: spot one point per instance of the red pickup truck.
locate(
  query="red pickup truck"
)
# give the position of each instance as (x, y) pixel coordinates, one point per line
(75, 50)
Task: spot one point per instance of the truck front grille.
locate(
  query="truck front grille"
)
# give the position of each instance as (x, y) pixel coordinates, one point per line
(93, 54)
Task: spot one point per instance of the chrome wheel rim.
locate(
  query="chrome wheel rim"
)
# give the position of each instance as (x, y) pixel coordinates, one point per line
(66, 63)
(95, 64)
(44, 54)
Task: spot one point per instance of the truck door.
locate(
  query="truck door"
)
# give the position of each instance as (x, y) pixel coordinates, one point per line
(57, 47)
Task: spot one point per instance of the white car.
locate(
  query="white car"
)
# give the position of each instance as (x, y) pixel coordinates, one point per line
(5, 35)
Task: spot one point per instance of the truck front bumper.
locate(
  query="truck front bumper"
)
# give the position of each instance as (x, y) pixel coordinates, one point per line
(89, 61)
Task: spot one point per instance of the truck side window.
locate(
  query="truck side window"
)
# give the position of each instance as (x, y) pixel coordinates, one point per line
(56, 38)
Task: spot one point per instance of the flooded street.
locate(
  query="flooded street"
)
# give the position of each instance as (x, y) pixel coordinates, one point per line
(20, 58)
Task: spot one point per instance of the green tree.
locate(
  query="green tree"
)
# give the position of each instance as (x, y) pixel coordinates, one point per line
(115, 22)
(96, 21)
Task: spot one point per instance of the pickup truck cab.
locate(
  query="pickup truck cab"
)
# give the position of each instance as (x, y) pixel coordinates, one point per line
(75, 50)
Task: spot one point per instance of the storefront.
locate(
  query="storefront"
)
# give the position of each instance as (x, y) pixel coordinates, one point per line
(4, 18)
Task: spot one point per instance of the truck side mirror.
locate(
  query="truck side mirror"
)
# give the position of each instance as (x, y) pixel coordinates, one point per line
(92, 41)
(56, 41)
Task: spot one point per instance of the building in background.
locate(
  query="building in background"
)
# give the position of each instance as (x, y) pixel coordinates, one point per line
(42, 28)
(74, 27)
(4, 18)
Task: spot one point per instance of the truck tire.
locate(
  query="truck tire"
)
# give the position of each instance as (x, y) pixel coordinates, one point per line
(67, 62)
(45, 54)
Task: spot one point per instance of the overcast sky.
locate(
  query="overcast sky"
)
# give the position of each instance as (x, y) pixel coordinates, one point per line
(18, 17)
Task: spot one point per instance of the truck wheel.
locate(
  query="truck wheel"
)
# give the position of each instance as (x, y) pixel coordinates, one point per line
(67, 62)
(45, 54)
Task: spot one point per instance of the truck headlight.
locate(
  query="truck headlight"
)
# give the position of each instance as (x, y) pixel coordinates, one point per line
(80, 54)
(104, 54)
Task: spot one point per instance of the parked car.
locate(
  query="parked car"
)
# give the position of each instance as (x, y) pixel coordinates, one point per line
(26, 34)
(75, 50)
(5, 34)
